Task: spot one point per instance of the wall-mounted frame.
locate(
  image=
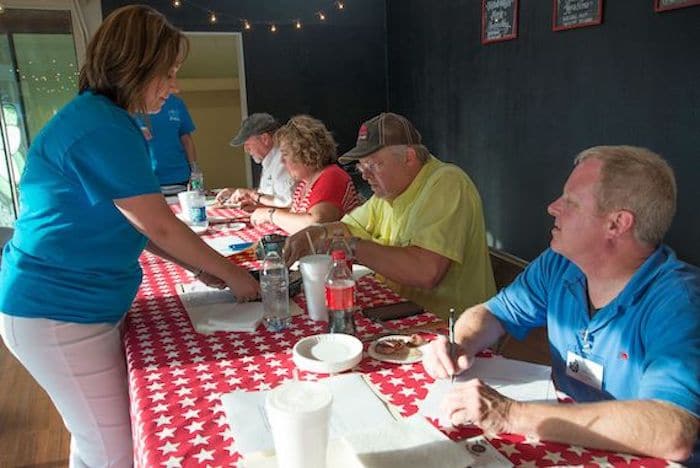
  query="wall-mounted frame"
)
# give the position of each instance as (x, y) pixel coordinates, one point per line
(665, 5)
(499, 20)
(570, 14)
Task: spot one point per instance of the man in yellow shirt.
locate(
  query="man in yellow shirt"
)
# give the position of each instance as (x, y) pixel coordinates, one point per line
(423, 229)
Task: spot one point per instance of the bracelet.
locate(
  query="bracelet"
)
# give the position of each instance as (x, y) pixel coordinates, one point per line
(271, 211)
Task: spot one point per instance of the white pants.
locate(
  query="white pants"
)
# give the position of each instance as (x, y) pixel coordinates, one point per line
(83, 369)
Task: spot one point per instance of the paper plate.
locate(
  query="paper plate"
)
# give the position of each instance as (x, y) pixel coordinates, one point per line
(327, 353)
(199, 229)
(236, 226)
(408, 356)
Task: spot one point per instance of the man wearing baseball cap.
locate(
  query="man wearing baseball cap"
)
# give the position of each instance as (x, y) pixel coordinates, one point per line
(422, 230)
(275, 189)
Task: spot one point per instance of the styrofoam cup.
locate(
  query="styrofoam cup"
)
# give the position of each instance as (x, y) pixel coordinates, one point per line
(314, 269)
(298, 413)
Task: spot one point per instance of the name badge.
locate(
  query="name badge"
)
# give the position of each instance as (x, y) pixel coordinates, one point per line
(584, 370)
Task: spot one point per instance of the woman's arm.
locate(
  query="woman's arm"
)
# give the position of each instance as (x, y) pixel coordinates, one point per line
(323, 212)
(151, 215)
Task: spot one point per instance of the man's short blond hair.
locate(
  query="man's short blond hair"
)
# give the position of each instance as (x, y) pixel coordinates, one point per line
(637, 180)
(310, 142)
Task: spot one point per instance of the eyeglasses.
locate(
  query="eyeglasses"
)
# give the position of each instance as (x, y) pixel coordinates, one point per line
(369, 166)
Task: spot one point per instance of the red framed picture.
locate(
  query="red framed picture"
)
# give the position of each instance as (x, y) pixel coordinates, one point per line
(571, 14)
(499, 20)
(665, 5)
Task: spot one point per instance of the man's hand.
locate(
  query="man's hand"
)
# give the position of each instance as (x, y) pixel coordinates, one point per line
(223, 196)
(474, 402)
(438, 363)
(297, 245)
(260, 216)
(244, 196)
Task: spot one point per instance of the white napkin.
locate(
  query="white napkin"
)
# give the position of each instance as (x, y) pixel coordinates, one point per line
(212, 310)
(410, 442)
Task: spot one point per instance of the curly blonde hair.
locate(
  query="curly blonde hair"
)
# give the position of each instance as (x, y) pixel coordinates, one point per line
(310, 142)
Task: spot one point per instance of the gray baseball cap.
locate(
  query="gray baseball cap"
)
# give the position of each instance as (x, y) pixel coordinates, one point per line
(386, 129)
(255, 124)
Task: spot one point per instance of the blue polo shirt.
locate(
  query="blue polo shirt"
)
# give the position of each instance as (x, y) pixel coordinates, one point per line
(168, 156)
(74, 256)
(647, 339)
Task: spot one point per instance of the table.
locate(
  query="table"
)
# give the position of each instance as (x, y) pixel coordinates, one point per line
(177, 376)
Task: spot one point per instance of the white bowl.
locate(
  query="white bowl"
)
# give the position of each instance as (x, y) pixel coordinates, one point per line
(327, 353)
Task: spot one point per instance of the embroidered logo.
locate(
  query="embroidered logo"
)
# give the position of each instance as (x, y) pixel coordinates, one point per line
(362, 134)
(624, 356)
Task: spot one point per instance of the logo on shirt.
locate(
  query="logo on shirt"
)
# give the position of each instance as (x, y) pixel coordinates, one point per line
(173, 115)
(362, 134)
(573, 366)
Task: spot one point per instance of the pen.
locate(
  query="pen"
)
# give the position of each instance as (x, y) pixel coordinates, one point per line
(451, 325)
(240, 246)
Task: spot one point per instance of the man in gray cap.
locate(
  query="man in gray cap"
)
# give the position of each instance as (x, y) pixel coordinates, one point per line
(422, 230)
(256, 136)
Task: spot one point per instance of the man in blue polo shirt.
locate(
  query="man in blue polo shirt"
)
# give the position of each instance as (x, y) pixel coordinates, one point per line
(173, 154)
(623, 318)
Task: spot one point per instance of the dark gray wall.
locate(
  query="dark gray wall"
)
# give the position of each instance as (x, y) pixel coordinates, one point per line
(513, 114)
(334, 71)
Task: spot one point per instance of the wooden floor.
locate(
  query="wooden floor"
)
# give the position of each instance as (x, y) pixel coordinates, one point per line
(31, 431)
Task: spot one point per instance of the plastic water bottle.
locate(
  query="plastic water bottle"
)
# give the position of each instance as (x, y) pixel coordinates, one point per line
(274, 286)
(196, 179)
(198, 210)
(340, 296)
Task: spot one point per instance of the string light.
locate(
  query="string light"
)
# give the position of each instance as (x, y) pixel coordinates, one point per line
(247, 24)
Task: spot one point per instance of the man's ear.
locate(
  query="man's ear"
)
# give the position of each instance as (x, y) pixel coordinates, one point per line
(620, 222)
(411, 157)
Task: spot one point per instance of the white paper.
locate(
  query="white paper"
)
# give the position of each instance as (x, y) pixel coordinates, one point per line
(221, 244)
(518, 380)
(355, 408)
(212, 310)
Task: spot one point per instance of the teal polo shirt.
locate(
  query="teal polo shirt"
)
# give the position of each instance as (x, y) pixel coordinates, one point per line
(74, 256)
(647, 339)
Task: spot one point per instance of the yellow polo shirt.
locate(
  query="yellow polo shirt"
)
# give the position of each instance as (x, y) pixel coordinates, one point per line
(440, 211)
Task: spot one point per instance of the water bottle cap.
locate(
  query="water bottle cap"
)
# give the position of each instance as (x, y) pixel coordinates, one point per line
(338, 255)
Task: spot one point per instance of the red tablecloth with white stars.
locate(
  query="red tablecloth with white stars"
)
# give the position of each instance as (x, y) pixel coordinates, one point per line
(177, 376)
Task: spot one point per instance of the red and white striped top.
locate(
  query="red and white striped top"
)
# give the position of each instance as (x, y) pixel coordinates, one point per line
(333, 185)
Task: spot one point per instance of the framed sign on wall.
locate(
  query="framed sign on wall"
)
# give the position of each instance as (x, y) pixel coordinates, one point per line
(570, 14)
(499, 20)
(665, 5)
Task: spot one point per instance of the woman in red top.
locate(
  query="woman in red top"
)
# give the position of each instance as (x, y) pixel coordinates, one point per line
(324, 192)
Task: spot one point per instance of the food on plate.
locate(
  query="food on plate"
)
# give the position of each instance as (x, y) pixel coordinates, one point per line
(396, 346)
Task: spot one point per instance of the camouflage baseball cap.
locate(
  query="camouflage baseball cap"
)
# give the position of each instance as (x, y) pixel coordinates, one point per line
(386, 129)
(255, 124)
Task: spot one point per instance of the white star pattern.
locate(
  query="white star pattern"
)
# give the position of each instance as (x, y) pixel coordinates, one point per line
(554, 457)
(166, 433)
(169, 447)
(199, 439)
(204, 455)
(187, 402)
(163, 420)
(173, 462)
(191, 414)
(508, 449)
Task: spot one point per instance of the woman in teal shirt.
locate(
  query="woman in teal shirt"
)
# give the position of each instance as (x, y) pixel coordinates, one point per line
(90, 204)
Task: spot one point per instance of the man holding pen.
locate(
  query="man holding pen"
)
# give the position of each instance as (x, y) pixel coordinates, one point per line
(623, 318)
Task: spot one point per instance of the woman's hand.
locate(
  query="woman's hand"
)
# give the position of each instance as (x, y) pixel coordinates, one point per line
(223, 196)
(260, 216)
(243, 285)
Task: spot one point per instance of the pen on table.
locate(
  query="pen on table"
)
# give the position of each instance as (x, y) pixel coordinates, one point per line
(451, 325)
(242, 245)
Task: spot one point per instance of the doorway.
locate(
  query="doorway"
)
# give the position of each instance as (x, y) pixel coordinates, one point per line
(212, 84)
